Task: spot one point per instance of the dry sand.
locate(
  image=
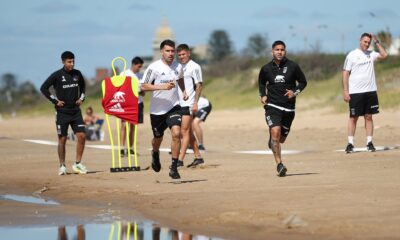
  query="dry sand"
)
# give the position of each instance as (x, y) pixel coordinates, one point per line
(327, 194)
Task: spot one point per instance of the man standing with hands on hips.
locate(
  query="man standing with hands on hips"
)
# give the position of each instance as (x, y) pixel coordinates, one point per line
(280, 82)
(359, 88)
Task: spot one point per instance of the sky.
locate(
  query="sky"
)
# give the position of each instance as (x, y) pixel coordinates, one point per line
(33, 34)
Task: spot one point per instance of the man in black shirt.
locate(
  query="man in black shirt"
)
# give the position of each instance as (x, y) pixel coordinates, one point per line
(280, 81)
(69, 88)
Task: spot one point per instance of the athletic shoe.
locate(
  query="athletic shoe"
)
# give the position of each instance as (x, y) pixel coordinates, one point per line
(349, 148)
(180, 163)
(79, 168)
(281, 170)
(370, 147)
(155, 161)
(196, 161)
(62, 170)
(123, 153)
(201, 147)
(132, 152)
(173, 172)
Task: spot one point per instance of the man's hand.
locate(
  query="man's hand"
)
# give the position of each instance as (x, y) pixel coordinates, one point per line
(289, 93)
(195, 107)
(264, 100)
(346, 96)
(185, 96)
(169, 86)
(142, 93)
(60, 103)
(78, 102)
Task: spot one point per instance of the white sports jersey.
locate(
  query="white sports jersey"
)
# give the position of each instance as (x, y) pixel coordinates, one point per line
(158, 73)
(192, 75)
(203, 103)
(361, 67)
(129, 73)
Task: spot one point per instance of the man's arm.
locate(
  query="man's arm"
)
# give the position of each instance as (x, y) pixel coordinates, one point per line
(382, 52)
(346, 95)
(157, 87)
(262, 86)
(46, 92)
(82, 89)
(301, 84)
(199, 89)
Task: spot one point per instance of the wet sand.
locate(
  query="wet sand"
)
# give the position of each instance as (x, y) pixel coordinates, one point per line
(327, 194)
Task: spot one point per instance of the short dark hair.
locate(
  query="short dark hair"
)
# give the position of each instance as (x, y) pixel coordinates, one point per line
(167, 42)
(137, 60)
(278, 42)
(67, 55)
(182, 47)
(366, 35)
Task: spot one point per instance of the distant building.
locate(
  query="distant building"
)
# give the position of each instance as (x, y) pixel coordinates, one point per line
(163, 32)
(394, 47)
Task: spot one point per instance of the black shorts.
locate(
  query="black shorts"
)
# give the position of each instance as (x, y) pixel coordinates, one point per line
(363, 103)
(203, 113)
(73, 118)
(185, 111)
(140, 116)
(276, 117)
(160, 122)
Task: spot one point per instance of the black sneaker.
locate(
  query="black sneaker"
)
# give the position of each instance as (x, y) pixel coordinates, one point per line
(180, 163)
(281, 170)
(201, 147)
(155, 161)
(132, 152)
(349, 148)
(370, 147)
(173, 172)
(123, 153)
(196, 161)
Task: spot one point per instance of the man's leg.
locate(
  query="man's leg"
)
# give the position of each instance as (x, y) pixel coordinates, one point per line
(185, 131)
(198, 131)
(123, 138)
(369, 125)
(275, 143)
(131, 134)
(197, 156)
(80, 146)
(175, 147)
(61, 149)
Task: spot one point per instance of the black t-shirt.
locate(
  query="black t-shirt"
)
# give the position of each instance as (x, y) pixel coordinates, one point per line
(273, 81)
(68, 86)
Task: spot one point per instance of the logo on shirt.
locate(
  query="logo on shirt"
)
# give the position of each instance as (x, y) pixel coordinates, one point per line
(118, 97)
(279, 79)
(75, 78)
(116, 108)
(63, 79)
(284, 69)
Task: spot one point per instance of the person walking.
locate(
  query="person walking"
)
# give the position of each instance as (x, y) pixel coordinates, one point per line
(280, 82)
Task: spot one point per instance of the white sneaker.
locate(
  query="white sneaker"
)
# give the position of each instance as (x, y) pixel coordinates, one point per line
(79, 168)
(62, 170)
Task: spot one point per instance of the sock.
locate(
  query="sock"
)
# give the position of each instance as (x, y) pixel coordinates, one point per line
(174, 163)
(351, 139)
(76, 162)
(369, 139)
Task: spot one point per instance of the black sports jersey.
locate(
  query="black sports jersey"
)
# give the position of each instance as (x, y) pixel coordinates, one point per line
(273, 81)
(68, 86)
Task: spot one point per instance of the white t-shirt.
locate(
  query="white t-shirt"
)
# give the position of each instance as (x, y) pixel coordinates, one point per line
(130, 73)
(158, 73)
(192, 75)
(203, 102)
(361, 67)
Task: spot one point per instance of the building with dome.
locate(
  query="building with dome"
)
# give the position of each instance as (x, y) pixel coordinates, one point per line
(163, 32)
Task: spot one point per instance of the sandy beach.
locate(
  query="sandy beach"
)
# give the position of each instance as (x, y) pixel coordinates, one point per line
(326, 194)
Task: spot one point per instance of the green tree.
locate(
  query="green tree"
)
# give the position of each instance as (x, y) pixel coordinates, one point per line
(219, 45)
(256, 45)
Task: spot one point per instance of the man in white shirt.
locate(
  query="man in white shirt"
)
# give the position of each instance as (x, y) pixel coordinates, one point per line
(134, 71)
(359, 87)
(193, 86)
(162, 77)
(205, 107)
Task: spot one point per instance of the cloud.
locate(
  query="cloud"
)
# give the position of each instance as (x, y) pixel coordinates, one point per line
(141, 7)
(56, 7)
(276, 12)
